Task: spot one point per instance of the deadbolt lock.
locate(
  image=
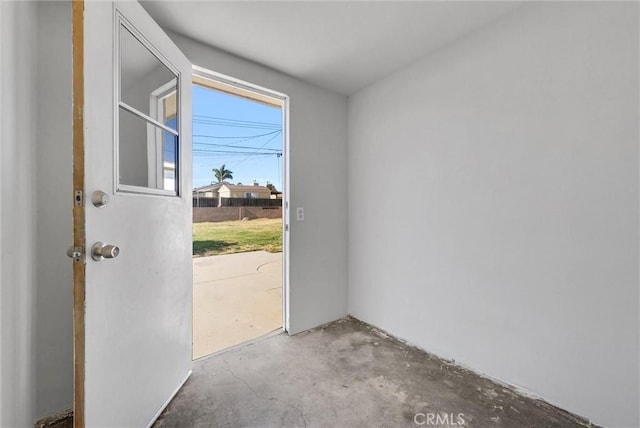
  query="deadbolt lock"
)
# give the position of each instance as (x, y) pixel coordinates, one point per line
(75, 253)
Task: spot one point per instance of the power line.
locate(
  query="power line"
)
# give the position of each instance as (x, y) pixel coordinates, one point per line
(279, 176)
(200, 153)
(230, 145)
(205, 117)
(246, 139)
(239, 136)
(267, 142)
(230, 125)
(238, 124)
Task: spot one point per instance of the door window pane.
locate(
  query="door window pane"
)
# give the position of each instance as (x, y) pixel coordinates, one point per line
(147, 154)
(144, 79)
(148, 142)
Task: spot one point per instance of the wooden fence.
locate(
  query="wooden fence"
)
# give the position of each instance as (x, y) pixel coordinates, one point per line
(235, 202)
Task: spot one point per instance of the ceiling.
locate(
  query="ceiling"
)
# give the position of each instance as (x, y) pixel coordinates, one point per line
(340, 45)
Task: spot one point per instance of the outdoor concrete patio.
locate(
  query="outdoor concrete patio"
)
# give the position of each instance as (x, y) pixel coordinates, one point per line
(236, 297)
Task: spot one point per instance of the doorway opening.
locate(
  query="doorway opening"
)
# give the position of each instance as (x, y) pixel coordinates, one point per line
(240, 216)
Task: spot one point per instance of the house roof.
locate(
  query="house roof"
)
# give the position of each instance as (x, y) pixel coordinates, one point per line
(208, 188)
(233, 187)
(244, 188)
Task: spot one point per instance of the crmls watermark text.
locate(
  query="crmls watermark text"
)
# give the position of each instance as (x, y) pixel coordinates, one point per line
(439, 419)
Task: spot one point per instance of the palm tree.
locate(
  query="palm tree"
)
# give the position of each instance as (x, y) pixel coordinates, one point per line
(222, 174)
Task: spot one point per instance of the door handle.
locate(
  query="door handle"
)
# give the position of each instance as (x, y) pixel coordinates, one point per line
(101, 251)
(99, 199)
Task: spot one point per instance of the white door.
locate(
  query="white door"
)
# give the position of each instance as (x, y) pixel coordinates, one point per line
(133, 128)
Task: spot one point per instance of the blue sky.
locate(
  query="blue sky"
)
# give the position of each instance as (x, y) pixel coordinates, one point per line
(244, 135)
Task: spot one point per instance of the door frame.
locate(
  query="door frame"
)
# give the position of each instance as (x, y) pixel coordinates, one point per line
(77, 37)
(251, 91)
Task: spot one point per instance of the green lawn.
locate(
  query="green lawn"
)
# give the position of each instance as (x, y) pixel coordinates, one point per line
(228, 237)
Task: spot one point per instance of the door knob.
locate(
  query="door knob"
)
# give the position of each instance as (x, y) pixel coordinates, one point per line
(99, 198)
(101, 251)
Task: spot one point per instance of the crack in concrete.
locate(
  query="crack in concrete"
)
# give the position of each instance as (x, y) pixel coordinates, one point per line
(223, 279)
(264, 264)
(255, 393)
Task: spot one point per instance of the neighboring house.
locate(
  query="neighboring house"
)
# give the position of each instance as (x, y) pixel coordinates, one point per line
(210, 191)
(222, 191)
(237, 191)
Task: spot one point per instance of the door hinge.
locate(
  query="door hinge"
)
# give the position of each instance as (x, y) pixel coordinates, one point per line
(75, 253)
(286, 227)
(77, 198)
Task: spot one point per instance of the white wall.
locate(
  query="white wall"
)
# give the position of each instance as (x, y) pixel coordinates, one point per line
(17, 207)
(54, 318)
(511, 241)
(37, 333)
(318, 153)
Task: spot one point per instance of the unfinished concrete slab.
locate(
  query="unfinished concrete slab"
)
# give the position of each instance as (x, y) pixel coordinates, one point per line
(236, 297)
(347, 374)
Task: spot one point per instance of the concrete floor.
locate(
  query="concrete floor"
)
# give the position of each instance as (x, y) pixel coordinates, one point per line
(346, 374)
(236, 297)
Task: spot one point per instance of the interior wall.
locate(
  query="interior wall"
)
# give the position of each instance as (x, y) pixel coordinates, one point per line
(18, 113)
(318, 176)
(53, 192)
(493, 205)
